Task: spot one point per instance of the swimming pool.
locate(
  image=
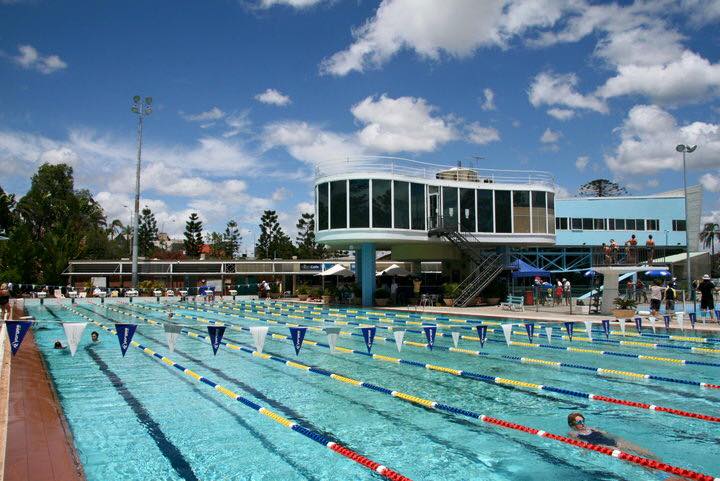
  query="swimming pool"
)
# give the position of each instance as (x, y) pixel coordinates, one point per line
(136, 418)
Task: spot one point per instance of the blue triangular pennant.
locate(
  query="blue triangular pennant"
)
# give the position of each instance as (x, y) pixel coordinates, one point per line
(482, 334)
(297, 334)
(16, 333)
(530, 328)
(693, 319)
(216, 334)
(569, 328)
(666, 320)
(430, 332)
(369, 336)
(606, 328)
(638, 324)
(125, 333)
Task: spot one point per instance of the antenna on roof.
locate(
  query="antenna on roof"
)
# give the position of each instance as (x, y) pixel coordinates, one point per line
(477, 159)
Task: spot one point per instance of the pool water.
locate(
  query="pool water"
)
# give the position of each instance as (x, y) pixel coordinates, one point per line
(135, 418)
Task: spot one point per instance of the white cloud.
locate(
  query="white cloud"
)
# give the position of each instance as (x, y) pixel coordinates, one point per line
(273, 97)
(208, 116)
(652, 183)
(561, 114)
(478, 134)
(562, 193)
(710, 182)
(582, 162)
(648, 137)
(489, 99)
(550, 136)
(237, 124)
(299, 4)
(310, 143)
(29, 58)
(402, 124)
(280, 193)
(558, 89)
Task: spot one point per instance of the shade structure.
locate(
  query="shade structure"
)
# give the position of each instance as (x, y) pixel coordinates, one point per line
(394, 270)
(336, 270)
(521, 268)
(658, 274)
(590, 273)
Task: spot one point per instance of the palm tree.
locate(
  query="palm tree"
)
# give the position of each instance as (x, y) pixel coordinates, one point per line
(115, 228)
(126, 233)
(708, 236)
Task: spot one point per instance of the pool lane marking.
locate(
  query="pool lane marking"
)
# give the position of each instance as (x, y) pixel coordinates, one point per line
(477, 376)
(616, 453)
(317, 437)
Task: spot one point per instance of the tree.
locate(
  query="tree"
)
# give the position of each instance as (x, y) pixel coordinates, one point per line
(601, 188)
(217, 245)
(147, 232)
(115, 228)
(709, 236)
(306, 245)
(7, 207)
(193, 236)
(231, 239)
(273, 242)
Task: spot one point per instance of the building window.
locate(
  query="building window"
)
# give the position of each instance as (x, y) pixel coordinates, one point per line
(381, 204)
(450, 206)
(629, 224)
(323, 204)
(402, 204)
(338, 204)
(639, 224)
(503, 221)
(521, 211)
(539, 221)
(467, 210)
(600, 224)
(417, 206)
(551, 212)
(678, 225)
(619, 224)
(359, 203)
(561, 223)
(575, 223)
(485, 211)
(587, 224)
(652, 224)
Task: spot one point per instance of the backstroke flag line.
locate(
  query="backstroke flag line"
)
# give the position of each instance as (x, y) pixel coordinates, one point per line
(651, 319)
(622, 326)
(399, 335)
(530, 329)
(548, 333)
(692, 317)
(216, 334)
(332, 334)
(638, 324)
(588, 329)
(666, 320)
(569, 328)
(455, 337)
(16, 333)
(606, 328)
(430, 332)
(297, 334)
(369, 336)
(73, 333)
(482, 334)
(680, 318)
(125, 333)
(172, 332)
(507, 331)
(258, 334)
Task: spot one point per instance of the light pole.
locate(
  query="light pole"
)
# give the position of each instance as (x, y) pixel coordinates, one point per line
(687, 149)
(142, 109)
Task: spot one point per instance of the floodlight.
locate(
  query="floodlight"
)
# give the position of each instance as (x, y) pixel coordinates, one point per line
(691, 149)
(680, 148)
(135, 110)
(136, 99)
(148, 100)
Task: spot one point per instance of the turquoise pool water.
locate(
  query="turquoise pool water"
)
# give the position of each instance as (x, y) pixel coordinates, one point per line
(135, 418)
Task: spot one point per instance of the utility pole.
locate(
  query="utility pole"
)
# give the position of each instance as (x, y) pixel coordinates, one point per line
(142, 108)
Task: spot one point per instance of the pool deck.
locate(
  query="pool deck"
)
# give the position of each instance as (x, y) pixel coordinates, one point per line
(39, 442)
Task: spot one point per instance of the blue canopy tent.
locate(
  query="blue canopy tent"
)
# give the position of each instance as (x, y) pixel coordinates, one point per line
(521, 268)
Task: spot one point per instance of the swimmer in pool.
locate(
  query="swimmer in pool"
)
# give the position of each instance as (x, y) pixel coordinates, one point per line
(95, 336)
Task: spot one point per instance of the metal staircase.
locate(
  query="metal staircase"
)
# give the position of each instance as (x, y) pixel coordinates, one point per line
(489, 263)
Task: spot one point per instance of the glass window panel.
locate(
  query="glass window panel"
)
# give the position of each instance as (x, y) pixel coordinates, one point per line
(611, 224)
(652, 224)
(679, 225)
(381, 204)
(551, 212)
(359, 203)
(417, 206)
(485, 210)
(587, 224)
(619, 224)
(599, 224)
(450, 206)
(564, 223)
(338, 204)
(503, 221)
(539, 222)
(467, 210)
(640, 224)
(576, 224)
(323, 202)
(521, 211)
(402, 204)
(629, 224)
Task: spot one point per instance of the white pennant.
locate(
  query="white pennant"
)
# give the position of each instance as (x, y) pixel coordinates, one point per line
(258, 335)
(548, 333)
(332, 335)
(399, 335)
(507, 331)
(588, 329)
(652, 323)
(680, 318)
(455, 337)
(172, 332)
(73, 333)
(622, 326)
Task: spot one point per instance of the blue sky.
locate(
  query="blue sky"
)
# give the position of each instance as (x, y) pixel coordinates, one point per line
(250, 95)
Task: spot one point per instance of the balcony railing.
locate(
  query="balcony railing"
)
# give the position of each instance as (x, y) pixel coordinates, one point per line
(629, 255)
(424, 170)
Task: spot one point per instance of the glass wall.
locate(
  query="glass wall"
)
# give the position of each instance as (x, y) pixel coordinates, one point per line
(338, 204)
(551, 212)
(450, 206)
(323, 204)
(381, 204)
(467, 210)
(359, 203)
(417, 206)
(485, 210)
(539, 223)
(521, 211)
(401, 191)
(503, 219)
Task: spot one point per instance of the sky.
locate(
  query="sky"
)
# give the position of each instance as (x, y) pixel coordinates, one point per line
(249, 96)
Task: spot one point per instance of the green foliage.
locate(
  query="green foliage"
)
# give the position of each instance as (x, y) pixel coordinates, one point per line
(273, 243)
(307, 248)
(382, 294)
(303, 289)
(231, 240)
(601, 188)
(193, 236)
(147, 287)
(316, 292)
(7, 214)
(330, 291)
(625, 303)
(147, 232)
(449, 289)
(217, 246)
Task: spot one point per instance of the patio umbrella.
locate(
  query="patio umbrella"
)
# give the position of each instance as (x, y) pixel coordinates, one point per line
(658, 274)
(394, 270)
(590, 273)
(336, 270)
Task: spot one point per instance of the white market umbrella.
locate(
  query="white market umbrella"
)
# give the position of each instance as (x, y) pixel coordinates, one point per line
(336, 270)
(394, 270)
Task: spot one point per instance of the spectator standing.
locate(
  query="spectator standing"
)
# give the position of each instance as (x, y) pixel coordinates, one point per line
(567, 291)
(707, 301)
(656, 294)
(670, 296)
(650, 246)
(632, 250)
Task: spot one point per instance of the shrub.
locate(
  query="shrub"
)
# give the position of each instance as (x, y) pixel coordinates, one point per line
(449, 289)
(625, 303)
(382, 294)
(303, 289)
(316, 292)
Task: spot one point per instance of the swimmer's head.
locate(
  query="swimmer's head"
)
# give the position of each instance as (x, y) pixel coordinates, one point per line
(576, 419)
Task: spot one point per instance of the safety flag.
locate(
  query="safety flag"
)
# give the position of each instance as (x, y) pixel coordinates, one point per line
(172, 332)
(606, 328)
(482, 334)
(455, 337)
(216, 334)
(692, 319)
(680, 318)
(638, 324)
(258, 334)
(297, 334)
(507, 331)
(651, 320)
(717, 315)
(125, 333)
(399, 339)
(588, 329)
(73, 333)
(622, 326)
(430, 332)
(569, 328)
(666, 320)
(332, 334)
(548, 333)
(16, 333)
(369, 336)
(530, 329)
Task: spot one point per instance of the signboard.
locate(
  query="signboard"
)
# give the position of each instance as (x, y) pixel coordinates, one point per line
(307, 267)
